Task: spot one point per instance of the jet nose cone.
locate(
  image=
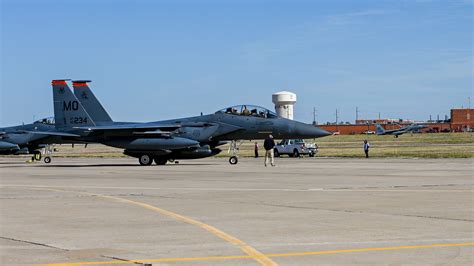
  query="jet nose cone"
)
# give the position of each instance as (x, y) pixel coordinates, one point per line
(319, 132)
(310, 131)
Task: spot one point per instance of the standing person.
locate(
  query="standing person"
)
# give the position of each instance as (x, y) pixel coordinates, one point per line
(256, 149)
(269, 144)
(366, 148)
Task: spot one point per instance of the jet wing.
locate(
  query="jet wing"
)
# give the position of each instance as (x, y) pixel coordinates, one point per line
(50, 133)
(124, 130)
(138, 127)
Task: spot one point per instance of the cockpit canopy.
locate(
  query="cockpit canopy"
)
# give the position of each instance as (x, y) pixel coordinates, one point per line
(249, 110)
(46, 121)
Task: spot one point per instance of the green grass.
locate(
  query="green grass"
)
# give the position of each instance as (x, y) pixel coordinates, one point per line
(440, 145)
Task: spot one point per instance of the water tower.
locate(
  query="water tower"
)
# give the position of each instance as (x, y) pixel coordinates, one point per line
(284, 102)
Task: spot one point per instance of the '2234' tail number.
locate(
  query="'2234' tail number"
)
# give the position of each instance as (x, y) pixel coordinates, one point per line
(78, 120)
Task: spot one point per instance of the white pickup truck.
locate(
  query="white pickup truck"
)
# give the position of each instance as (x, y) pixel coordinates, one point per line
(295, 148)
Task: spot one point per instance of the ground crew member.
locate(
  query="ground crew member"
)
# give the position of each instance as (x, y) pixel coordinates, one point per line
(366, 148)
(269, 144)
(256, 149)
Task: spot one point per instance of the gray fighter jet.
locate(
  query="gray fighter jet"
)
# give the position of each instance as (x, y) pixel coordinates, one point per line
(31, 138)
(396, 132)
(160, 141)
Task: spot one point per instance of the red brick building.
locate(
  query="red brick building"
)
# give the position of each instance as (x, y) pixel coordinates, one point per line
(462, 120)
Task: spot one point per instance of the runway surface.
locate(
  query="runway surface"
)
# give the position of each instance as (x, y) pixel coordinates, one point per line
(304, 211)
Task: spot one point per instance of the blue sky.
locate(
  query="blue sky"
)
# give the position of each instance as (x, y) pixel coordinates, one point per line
(153, 60)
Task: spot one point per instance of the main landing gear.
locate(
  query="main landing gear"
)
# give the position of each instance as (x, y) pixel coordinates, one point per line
(234, 152)
(146, 159)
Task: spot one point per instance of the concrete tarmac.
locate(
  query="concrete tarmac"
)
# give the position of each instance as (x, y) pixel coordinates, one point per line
(304, 211)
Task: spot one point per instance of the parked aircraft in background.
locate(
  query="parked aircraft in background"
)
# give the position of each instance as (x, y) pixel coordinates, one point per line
(160, 141)
(396, 132)
(31, 138)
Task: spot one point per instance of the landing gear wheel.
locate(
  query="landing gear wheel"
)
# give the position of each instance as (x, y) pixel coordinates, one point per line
(37, 156)
(311, 154)
(145, 159)
(47, 159)
(276, 153)
(233, 160)
(160, 161)
(296, 153)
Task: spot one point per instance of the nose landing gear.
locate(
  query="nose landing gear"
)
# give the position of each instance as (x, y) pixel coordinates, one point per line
(234, 152)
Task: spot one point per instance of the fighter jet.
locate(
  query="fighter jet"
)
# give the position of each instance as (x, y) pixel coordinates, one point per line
(160, 141)
(396, 132)
(31, 138)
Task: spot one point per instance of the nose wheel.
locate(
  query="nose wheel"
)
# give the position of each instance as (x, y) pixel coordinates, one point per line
(233, 160)
(234, 152)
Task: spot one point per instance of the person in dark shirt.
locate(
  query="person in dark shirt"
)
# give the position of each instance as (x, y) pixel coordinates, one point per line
(269, 144)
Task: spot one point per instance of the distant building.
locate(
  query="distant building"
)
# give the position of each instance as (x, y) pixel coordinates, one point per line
(461, 121)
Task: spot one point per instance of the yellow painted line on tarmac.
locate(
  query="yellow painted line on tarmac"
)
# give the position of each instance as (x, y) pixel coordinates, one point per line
(299, 254)
(249, 250)
(149, 261)
(252, 252)
(295, 254)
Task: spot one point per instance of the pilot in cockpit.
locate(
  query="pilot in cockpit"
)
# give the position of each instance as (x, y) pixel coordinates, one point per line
(231, 110)
(246, 111)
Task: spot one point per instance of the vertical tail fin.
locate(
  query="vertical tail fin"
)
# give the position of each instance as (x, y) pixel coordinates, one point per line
(379, 129)
(68, 110)
(91, 104)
